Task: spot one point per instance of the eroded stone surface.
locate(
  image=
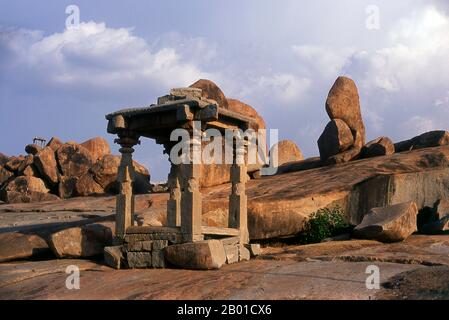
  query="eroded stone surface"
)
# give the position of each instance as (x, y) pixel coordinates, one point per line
(389, 224)
(85, 241)
(98, 147)
(382, 146)
(204, 255)
(17, 246)
(45, 162)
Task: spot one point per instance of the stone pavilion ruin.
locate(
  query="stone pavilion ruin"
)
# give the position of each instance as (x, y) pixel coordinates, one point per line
(184, 242)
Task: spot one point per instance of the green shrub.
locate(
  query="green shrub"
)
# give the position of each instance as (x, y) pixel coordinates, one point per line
(324, 223)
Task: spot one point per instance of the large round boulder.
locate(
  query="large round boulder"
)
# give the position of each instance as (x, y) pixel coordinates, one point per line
(25, 189)
(98, 147)
(336, 138)
(382, 146)
(67, 187)
(216, 174)
(211, 91)
(74, 160)
(45, 163)
(32, 149)
(25, 184)
(87, 186)
(287, 151)
(105, 173)
(82, 242)
(389, 224)
(14, 163)
(247, 111)
(425, 140)
(343, 103)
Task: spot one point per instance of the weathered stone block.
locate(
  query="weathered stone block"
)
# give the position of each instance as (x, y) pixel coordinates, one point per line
(244, 254)
(158, 259)
(232, 253)
(139, 259)
(130, 238)
(171, 237)
(202, 255)
(230, 241)
(160, 244)
(389, 224)
(85, 241)
(147, 245)
(134, 246)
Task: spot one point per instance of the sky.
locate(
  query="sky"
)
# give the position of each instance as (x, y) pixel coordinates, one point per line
(281, 57)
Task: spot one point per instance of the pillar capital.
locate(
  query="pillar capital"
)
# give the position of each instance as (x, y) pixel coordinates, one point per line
(127, 140)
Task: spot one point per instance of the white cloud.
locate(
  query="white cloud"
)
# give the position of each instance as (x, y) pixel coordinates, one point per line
(97, 56)
(323, 60)
(417, 55)
(284, 88)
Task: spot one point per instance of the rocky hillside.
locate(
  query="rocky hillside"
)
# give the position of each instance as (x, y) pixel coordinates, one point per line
(64, 170)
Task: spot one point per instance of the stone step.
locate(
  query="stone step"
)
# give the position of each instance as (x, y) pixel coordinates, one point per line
(220, 231)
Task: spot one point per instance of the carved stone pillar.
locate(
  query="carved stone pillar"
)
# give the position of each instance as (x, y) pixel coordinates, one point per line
(191, 198)
(238, 200)
(174, 202)
(125, 198)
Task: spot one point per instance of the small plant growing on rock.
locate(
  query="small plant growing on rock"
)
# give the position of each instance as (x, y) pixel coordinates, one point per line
(324, 223)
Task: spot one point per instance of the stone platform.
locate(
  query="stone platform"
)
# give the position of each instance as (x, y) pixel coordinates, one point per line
(161, 247)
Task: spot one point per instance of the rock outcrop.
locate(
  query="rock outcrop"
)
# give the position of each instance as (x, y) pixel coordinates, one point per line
(5, 175)
(45, 163)
(389, 224)
(335, 139)
(425, 140)
(87, 186)
(98, 147)
(202, 255)
(382, 146)
(65, 170)
(14, 163)
(287, 151)
(85, 241)
(216, 174)
(3, 159)
(343, 103)
(74, 160)
(55, 143)
(26, 189)
(17, 246)
(279, 205)
(105, 173)
(211, 91)
(32, 149)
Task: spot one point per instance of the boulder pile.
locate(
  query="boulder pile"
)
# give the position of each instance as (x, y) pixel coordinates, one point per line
(216, 174)
(64, 170)
(343, 139)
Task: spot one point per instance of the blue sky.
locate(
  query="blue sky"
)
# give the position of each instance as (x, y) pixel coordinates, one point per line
(281, 57)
